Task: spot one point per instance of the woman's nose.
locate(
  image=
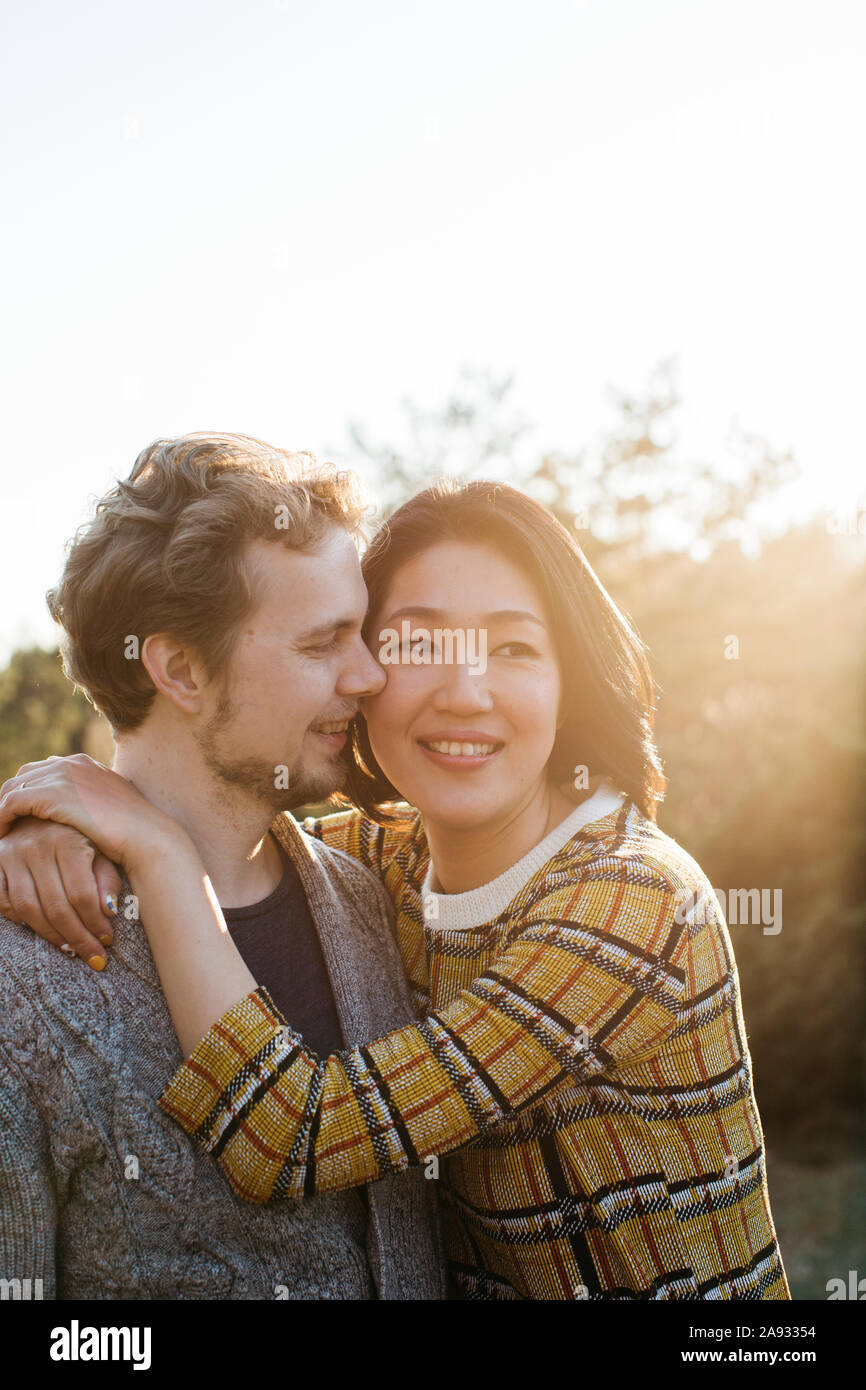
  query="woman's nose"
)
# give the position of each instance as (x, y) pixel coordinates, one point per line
(462, 692)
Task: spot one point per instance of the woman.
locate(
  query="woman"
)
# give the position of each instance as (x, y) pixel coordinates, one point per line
(580, 1082)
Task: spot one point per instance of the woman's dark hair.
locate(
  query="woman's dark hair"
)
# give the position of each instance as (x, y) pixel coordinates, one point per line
(608, 690)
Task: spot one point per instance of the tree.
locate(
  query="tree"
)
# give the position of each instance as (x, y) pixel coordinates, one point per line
(41, 713)
(474, 433)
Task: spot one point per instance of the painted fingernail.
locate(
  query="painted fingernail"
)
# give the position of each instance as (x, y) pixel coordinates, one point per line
(97, 962)
(66, 948)
(111, 904)
(106, 940)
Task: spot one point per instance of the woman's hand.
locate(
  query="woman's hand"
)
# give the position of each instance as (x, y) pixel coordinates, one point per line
(103, 806)
(54, 881)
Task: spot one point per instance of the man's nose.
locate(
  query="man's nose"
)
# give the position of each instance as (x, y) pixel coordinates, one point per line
(362, 675)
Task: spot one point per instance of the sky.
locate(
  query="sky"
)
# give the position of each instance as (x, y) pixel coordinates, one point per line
(276, 217)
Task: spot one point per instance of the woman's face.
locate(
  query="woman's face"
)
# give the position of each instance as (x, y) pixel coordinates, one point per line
(468, 744)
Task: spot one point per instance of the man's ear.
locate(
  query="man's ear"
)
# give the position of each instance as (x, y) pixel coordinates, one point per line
(175, 671)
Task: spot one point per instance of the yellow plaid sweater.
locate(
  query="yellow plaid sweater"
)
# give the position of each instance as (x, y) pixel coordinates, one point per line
(582, 1063)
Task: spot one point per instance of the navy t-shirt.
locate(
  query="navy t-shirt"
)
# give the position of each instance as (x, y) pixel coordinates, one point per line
(280, 947)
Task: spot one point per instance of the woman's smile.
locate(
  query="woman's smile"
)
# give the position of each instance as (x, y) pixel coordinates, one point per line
(461, 750)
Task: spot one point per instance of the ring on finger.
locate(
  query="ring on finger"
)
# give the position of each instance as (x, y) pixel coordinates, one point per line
(67, 949)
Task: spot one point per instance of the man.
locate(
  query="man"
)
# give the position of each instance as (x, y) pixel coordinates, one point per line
(212, 610)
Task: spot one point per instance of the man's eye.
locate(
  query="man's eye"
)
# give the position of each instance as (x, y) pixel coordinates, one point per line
(324, 647)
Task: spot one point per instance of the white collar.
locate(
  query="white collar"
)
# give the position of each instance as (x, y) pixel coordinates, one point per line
(480, 905)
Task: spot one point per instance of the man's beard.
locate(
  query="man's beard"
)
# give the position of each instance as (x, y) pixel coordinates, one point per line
(263, 781)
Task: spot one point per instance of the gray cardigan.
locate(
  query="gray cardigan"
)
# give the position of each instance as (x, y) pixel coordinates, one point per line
(102, 1196)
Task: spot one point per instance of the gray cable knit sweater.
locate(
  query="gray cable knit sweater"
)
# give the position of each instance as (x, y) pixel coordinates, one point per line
(102, 1196)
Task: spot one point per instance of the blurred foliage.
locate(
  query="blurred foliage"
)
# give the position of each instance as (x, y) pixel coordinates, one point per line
(765, 750)
(475, 434)
(766, 756)
(40, 713)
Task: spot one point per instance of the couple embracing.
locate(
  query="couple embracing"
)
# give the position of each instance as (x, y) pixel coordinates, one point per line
(455, 1039)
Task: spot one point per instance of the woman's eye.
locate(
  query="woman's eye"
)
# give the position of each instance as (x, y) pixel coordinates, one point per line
(516, 649)
(326, 646)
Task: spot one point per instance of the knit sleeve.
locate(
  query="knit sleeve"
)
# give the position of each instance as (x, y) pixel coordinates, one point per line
(566, 997)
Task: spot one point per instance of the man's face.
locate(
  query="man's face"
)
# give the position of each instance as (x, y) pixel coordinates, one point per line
(298, 668)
